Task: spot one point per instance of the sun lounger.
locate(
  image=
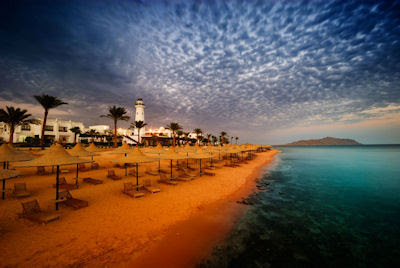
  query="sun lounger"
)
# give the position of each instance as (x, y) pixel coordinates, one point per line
(31, 211)
(149, 186)
(92, 181)
(131, 190)
(228, 164)
(69, 201)
(111, 175)
(189, 173)
(82, 167)
(20, 190)
(208, 173)
(41, 171)
(164, 179)
(62, 183)
(132, 172)
(182, 176)
(151, 172)
(95, 165)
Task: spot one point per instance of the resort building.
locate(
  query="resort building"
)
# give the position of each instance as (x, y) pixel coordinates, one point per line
(55, 130)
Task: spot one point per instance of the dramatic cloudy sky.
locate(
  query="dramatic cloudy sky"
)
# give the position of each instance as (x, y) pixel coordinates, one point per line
(266, 71)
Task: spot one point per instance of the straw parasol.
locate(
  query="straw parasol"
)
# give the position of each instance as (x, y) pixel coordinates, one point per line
(158, 150)
(135, 157)
(9, 154)
(123, 149)
(171, 154)
(58, 156)
(79, 151)
(7, 174)
(93, 148)
(200, 154)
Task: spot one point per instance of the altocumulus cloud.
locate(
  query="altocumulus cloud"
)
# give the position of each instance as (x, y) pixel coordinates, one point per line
(234, 65)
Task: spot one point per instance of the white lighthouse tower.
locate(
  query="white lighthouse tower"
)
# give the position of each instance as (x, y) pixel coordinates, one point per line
(139, 116)
(139, 110)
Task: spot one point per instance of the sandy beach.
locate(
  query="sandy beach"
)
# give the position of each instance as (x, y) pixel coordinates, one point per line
(117, 230)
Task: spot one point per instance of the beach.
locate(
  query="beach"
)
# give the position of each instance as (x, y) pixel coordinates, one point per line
(118, 230)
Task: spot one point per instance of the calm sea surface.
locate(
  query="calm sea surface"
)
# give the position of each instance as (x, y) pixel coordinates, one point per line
(323, 207)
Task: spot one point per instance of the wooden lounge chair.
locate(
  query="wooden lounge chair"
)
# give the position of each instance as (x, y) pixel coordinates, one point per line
(131, 190)
(164, 179)
(189, 173)
(92, 181)
(95, 165)
(151, 172)
(228, 164)
(31, 211)
(62, 183)
(111, 175)
(82, 167)
(148, 186)
(208, 173)
(182, 176)
(20, 190)
(132, 172)
(41, 171)
(69, 201)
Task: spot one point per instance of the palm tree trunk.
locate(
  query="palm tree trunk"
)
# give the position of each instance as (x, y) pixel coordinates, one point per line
(46, 112)
(115, 133)
(75, 138)
(173, 139)
(138, 140)
(11, 139)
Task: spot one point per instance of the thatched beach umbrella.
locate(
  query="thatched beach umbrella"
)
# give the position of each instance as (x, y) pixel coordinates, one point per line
(158, 150)
(135, 157)
(7, 174)
(79, 151)
(124, 149)
(171, 154)
(10, 154)
(93, 148)
(200, 154)
(56, 157)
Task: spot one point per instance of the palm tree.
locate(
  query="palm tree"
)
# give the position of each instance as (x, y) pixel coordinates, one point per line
(139, 125)
(14, 117)
(116, 113)
(222, 135)
(208, 137)
(236, 139)
(179, 133)
(231, 139)
(198, 132)
(76, 131)
(174, 127)
(214, 139)
(48, 102)
(186, 134)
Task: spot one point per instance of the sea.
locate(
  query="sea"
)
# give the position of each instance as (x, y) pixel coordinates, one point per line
(320, 206)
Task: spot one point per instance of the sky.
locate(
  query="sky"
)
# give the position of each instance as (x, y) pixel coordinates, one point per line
(265, 71)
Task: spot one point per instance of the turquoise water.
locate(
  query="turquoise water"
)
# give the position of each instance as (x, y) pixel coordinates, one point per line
(323, 207)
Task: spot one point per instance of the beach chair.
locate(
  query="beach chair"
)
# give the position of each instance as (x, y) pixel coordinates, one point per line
(95, 165)
(228, 164)
(208, 173)
(92, 181)
(151, 172)
(69, 201)
(132, 172)
(131, 190)
(164, 179)
(111, 175)
(189, 173)
(31, 211)
(20, 190)
(182, 176)
(41, 171)
(82, 167)
(148, 186)
(62, 183)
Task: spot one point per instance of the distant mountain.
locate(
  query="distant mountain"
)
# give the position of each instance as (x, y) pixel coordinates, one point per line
(324, 141)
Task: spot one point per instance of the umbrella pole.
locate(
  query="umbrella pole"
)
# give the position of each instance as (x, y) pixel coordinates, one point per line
(171, 169)
(77, 174)
(4, 165)
(57, 185)
(126, 170)
(137, 176)
(159, 166)
(92, 162)
(200, 167)
(4, 188)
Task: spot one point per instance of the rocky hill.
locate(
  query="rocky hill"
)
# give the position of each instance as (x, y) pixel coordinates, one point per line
(324, 141)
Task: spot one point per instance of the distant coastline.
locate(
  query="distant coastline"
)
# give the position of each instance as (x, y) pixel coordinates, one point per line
(327, 141)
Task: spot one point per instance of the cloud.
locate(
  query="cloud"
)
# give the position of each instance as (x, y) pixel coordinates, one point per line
(232, 66)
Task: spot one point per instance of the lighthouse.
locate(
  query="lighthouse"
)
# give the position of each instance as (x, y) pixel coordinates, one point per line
(139, 116)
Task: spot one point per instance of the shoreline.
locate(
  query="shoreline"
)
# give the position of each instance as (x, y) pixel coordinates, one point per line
(182, 246)
(116, 229)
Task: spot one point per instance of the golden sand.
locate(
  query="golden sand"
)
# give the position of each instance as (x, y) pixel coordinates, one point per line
(118, 230)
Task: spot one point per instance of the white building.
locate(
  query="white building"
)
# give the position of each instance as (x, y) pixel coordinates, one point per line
(102, 129)
(55, 130)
